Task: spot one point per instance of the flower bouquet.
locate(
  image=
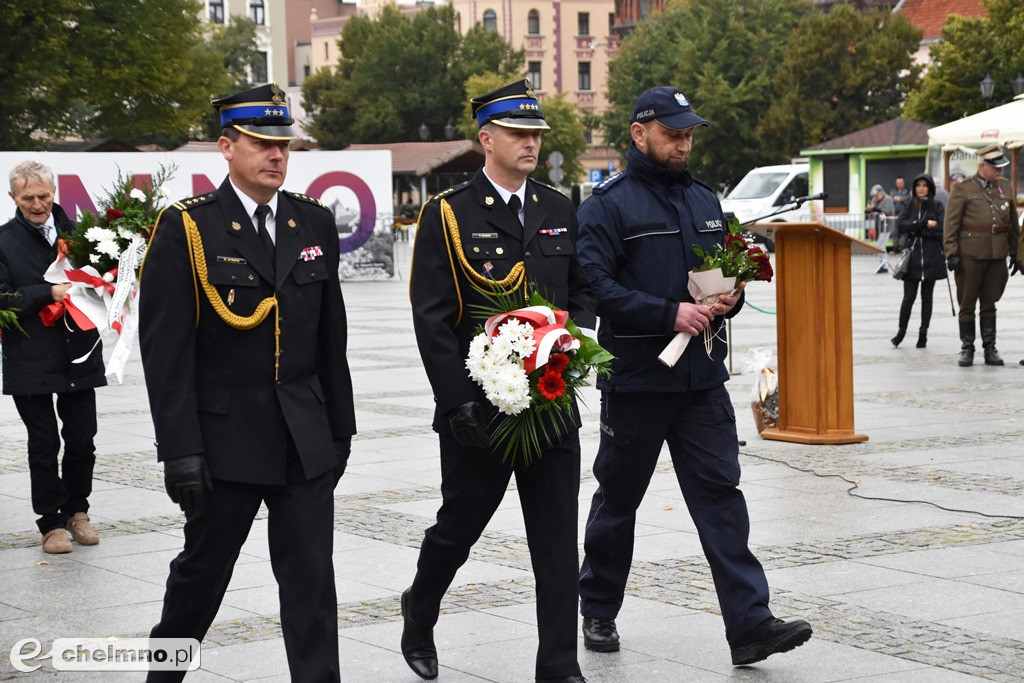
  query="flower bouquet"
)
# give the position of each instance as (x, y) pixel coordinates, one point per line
(101, 259)
(719, 272)
(531, 362)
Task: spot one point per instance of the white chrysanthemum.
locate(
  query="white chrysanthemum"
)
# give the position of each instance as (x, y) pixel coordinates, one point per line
(501, 346)
(108, 247)
(478, 345)
(98, 234)
(125, 233)
(94, 258)
(136, 193)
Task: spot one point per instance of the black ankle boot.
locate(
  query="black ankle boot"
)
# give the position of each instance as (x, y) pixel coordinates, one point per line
(967, 344)
(900, 334)
(988, 340)
(922, 338)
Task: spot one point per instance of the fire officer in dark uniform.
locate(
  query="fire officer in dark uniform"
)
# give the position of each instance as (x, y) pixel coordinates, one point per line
(243, 336)
(500, 226)
(637, 234)
(981, 231)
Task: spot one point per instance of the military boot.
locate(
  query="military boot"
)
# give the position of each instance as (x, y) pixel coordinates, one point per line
(988, 340)
(967, 344)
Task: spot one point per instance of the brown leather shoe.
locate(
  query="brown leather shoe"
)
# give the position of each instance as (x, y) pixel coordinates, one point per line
(55, 541)
(81, 529)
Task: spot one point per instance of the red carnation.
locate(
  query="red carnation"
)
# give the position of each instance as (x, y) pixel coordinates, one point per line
(551, 386)
(731, 239)
(764, 266)
(557, 362)
(113, 215)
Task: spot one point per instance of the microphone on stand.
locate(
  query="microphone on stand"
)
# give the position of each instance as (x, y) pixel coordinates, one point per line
(811, 198)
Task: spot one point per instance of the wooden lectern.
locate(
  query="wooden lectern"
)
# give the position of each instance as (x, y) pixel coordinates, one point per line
(815, 332)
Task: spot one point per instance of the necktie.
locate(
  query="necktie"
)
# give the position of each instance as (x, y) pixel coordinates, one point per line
(261, 228)
(515, 205)
(44, 230)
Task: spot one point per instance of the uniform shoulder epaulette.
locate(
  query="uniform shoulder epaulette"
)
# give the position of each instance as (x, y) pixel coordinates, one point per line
(193, 202)
(546, 185)
(450, 191)
(306, 198)
(603, 186)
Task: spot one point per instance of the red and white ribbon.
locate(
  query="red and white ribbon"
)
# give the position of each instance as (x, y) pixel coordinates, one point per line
(549, 332)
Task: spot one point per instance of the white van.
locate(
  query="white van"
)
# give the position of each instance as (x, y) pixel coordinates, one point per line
(765, 189)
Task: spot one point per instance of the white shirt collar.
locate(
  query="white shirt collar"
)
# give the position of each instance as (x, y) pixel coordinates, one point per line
(250, 204)
(505, 194)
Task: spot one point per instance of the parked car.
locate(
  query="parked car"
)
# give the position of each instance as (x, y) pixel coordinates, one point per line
(766, 189)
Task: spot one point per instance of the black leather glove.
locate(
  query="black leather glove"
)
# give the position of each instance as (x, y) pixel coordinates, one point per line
(187, 481)
(953, 263)
(1016, 266)
(342, 449)
(468, 427)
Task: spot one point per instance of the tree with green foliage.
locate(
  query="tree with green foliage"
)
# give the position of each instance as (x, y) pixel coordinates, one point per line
(236, 45)
(566, 134)
(843, 71)
(722, 55)
(136, 71)
(375, 96)
(971, 49)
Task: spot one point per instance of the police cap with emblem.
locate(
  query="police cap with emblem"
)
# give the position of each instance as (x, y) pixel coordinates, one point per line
(668, 106)
(513, 106)
(261, 112)
(993, 154)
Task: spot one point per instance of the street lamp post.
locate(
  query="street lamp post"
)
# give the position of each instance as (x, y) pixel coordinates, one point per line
(424, 132)
(1018, 85)
(449, 130)
(987, 88)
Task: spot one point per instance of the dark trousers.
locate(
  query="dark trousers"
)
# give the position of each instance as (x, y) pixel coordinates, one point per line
(700, 428)
(59, 493)
(980, 282)
(473, 482)
(907, 306)
(301, 537)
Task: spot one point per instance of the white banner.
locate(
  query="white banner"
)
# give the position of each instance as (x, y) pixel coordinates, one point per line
(356, 186)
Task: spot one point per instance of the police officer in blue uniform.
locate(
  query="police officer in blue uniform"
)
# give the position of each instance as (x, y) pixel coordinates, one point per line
(243, 336)
(637, 234)
(500, 227)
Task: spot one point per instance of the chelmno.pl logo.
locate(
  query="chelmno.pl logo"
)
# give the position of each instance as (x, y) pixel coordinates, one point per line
(108, 654)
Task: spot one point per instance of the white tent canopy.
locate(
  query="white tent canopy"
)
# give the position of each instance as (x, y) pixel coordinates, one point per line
(1004, 124)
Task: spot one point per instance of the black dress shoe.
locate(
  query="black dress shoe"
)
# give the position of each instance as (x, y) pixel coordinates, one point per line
(771, 636)
(418, 644)
(599, 634)
(576, 678)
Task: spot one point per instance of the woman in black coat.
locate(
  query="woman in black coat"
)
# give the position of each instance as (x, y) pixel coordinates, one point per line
(919, 227)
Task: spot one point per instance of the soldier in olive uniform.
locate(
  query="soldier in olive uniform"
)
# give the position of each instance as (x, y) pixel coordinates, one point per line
(981, 231)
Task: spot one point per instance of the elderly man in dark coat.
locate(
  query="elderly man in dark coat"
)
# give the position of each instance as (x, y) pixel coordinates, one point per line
(52, 357)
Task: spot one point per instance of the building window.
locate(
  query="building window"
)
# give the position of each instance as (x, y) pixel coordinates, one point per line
(584, 76)
(643, 9)
(533, 73)
(588, 135)
(257, 12)
(490, 20)
(611, 22)
(259, 68)
(217, 11)
(533, 23)
(583, 24)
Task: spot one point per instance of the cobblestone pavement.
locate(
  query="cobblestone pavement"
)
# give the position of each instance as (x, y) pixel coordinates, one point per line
(905, 552)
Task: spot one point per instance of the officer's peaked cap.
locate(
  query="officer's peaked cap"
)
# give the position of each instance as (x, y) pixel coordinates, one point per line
(993, 154)
(514, 106)
(261, 112)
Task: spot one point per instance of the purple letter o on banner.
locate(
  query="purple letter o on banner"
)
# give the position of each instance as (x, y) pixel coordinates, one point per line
(367, 206)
